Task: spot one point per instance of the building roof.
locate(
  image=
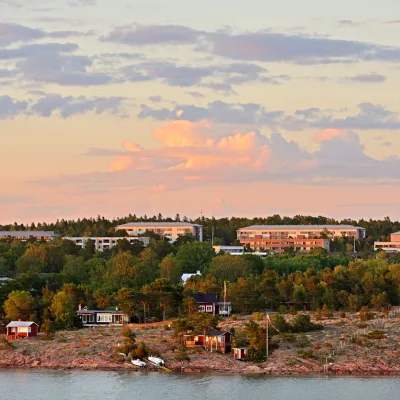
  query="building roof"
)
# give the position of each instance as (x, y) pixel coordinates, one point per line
(27, 233)
(100, 312)
(185, 277)
(210, 332)
(297, 227)
(396, 233)
(17, 324)
(205, 298)
(156, 224)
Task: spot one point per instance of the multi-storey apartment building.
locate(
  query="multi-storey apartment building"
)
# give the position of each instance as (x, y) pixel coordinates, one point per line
(104, 243)
(389, 247)
(277, 238)
(26, 235)
(169, 230)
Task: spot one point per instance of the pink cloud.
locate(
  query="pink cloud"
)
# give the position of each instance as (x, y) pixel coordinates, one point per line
(328, 134)
(131, 147)
(120, 164)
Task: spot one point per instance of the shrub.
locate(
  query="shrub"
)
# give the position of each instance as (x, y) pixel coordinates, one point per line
(376, 334)
(302, 323)
(279, 322)
(167, 327)
(302, 340)
(342, 314)
(305, 353)
(362, 325)
(5, 344)
(258, 316)
(318, 314)
(140, 352)
(61, 338)
(365, 314)
(234, 317)
(282, 309)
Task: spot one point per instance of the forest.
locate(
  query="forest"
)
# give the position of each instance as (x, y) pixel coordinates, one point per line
(47, 281)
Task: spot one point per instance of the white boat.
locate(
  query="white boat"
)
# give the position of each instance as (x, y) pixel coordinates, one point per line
(158, 362)
(139, 363)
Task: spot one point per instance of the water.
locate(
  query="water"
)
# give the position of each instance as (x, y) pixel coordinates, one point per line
(88, 385)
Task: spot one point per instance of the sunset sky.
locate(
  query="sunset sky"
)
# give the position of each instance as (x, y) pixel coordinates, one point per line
(245, 108)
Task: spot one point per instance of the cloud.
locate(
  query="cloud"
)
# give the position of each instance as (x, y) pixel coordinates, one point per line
(48, 104)
(16, 33)
(265, 46)
(366, 78)
(10, 108)
(190, 155)
(217, 112)
(350, 23)
(151, 34)
(70, 106)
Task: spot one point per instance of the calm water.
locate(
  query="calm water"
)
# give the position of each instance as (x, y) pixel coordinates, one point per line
(42, 385)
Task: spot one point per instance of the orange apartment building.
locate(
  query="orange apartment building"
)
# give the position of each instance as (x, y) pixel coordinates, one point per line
(304, 238)
(389, 247)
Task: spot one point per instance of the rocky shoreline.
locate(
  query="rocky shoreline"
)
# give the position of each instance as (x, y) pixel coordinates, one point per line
(355, 353)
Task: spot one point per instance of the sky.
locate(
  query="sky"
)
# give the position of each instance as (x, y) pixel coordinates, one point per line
(226, 107)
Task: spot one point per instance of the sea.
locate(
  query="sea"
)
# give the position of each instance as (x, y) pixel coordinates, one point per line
(104, 385)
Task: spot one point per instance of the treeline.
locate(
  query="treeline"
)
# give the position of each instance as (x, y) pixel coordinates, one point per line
(49, 280)
(224, 228)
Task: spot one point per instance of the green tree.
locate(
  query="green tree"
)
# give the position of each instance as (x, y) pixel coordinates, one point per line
(169, 269)
(230, 268)
(19, 305)
(194, 256)
(62, 309)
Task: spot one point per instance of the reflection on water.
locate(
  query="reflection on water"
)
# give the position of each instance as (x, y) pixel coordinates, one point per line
(88, 385)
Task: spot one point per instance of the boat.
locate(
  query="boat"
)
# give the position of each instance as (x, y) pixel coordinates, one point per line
(139, 363)
(158, 362)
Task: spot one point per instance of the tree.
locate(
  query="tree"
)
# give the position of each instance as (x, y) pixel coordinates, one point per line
(127, 301)
(169, 269)
(302, 340)
(194, 256)
(19, 305)
(62, 309)
(229, 268)
(75, 270)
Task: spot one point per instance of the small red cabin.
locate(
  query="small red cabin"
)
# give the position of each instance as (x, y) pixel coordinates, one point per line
(219, 341)
(21, 329)
(240, 353)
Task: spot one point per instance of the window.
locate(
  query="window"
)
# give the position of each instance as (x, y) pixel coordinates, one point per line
(201, 308)
(104, 318)
(222, 339)
(209, 308)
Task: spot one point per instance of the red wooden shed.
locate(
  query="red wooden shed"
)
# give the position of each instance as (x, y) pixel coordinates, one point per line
(21, 329)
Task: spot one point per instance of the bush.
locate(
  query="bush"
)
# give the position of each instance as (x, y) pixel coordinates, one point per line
(282, 309)
(376, 334)
(365, 314)
(167, 327)
(302, 340)
(258, 316)
(302, 323)
(234, 317)
(342, 314)
(140, 352)
(5, 344)
(279, 322)
(362, 325)
(61, 338)
(305, 353)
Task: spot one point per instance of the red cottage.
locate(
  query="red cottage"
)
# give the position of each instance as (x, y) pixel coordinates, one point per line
(21, 329)
(219, 341)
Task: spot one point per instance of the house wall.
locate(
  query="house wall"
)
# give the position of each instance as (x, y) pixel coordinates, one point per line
(395, 238)
(209, 308)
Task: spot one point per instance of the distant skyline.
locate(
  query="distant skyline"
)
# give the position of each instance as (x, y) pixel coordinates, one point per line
(173, 106)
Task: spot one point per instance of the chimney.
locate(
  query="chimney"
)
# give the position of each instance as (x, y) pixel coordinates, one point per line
(80, 307)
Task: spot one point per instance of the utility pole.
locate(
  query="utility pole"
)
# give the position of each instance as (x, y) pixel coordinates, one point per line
(266, 339)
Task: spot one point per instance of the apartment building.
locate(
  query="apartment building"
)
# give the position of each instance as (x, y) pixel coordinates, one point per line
(104, 243)
(389, 247)
(232, 250)
(26, 235)
(277, 238)
(169, 230)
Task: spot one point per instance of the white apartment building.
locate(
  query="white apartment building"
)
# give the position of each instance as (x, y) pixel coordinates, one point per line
(26, 235)
(169, 230)
(232, 250)
(104, 243)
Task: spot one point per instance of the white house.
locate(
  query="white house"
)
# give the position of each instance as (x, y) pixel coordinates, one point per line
(185, 277)
(104, 243)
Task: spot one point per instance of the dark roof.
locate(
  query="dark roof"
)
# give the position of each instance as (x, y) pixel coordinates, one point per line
(100, 311)
(216, 333)
(27, 233)
(156, 224)
(205, 298)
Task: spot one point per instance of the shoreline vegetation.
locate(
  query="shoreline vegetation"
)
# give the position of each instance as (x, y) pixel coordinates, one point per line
(348, 346)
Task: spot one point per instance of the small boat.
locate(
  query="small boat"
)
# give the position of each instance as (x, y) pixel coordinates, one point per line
(158, 362)
(139, 363)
